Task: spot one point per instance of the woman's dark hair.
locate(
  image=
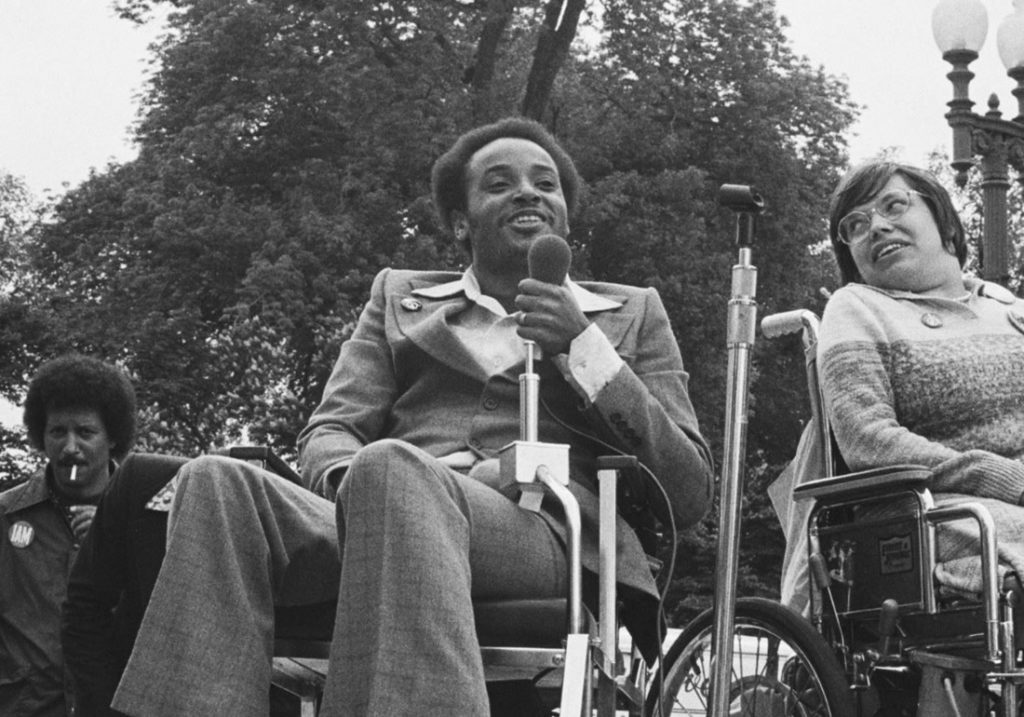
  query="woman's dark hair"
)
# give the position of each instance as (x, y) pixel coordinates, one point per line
(862, 183)
(76, 381)
(448, 178)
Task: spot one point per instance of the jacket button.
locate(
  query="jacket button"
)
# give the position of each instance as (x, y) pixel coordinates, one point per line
(490, 403)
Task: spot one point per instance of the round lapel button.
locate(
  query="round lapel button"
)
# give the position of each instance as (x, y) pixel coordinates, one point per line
(21, 534)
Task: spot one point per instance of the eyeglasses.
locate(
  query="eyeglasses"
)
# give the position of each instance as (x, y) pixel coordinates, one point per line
(856, 226)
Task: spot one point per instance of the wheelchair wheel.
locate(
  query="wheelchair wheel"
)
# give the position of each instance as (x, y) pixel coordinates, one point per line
(781, 668)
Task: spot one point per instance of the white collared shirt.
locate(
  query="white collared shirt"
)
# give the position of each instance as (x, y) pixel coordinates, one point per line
(488, 333)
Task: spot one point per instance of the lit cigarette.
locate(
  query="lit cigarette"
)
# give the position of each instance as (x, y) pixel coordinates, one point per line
(74, 470)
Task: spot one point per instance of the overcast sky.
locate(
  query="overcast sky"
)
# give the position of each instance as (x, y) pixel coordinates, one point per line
(71, 71)
(885, 50)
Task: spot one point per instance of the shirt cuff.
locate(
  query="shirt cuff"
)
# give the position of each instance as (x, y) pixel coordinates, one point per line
(591, 362)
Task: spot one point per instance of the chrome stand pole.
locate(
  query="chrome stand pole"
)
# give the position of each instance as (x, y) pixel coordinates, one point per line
(742, 322)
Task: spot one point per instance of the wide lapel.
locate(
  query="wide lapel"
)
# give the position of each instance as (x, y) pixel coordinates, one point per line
(614, 325)
(423, 315)
(32, 492)
(423, 309)
(611, 313)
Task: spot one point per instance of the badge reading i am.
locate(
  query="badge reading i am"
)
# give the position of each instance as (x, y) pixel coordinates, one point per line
(21, 534)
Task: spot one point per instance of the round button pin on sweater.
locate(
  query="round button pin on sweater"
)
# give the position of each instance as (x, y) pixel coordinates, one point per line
(932, 321)
(411, 304)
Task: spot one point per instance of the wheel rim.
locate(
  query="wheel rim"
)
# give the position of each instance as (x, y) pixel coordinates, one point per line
(771, 677)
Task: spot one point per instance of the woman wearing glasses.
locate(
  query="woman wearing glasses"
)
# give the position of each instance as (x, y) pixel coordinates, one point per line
(920, 364)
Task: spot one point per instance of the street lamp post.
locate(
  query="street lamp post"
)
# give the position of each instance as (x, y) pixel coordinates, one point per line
(959, 27)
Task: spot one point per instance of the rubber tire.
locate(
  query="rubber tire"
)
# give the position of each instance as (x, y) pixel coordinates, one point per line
(820, 689)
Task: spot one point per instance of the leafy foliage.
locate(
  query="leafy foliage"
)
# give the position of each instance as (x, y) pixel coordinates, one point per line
(19, 322)
(284, 157)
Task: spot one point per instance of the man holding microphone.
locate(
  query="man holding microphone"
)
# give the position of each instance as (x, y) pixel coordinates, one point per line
(403, 524)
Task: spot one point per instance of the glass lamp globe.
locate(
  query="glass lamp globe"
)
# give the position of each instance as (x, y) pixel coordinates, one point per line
(959, 25)
(1010, 37)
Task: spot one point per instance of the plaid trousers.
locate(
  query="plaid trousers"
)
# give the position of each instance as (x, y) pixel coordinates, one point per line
(406, 548)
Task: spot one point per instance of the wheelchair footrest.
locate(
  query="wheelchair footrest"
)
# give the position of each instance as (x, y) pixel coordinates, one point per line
(947, 661)
(950, 684)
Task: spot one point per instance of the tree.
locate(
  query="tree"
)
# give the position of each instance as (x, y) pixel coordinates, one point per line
(284, 155)
(18, 322)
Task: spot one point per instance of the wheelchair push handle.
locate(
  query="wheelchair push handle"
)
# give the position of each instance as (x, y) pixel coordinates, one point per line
(789, 322)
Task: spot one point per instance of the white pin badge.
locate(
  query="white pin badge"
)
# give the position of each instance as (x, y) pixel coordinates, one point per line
(21, 534)
(161, 502)
(932, 321)
(411, 304)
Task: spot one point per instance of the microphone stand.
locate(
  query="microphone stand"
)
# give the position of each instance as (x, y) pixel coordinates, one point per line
(538, 468)
(742, 321)
(534, 466)
(529, 398)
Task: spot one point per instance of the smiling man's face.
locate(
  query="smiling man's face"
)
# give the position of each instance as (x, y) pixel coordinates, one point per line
(513, 195)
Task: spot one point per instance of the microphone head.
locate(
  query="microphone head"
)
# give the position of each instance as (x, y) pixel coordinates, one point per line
(549, 258)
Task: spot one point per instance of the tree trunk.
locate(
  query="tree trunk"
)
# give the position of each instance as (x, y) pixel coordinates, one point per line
(499, 12)
(556, 35)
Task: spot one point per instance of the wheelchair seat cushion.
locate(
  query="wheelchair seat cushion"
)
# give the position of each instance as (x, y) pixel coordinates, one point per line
(521, 623)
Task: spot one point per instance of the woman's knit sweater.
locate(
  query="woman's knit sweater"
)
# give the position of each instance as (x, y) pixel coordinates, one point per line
(930, 381)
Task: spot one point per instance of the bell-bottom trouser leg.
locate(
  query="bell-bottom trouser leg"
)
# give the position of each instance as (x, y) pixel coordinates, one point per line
(419, 542)
(239, 541)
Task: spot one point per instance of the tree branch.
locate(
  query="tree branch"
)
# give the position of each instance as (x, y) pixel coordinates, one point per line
(499, 13)
(556, 35)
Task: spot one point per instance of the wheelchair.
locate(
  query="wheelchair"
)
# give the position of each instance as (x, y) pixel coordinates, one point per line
(884, 638)
(554, 656)
(544, 654)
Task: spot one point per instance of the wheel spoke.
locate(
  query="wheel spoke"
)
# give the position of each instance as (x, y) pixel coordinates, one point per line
(780, 668)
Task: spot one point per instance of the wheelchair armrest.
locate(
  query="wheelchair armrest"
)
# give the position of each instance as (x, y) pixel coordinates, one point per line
(264, 457)
(871, 483)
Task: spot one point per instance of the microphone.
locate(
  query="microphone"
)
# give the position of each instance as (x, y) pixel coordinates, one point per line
(548, 261)
(549, 258)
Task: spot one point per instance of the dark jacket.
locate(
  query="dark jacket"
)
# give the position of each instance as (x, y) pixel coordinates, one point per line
(37, 548)
(112, 578)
